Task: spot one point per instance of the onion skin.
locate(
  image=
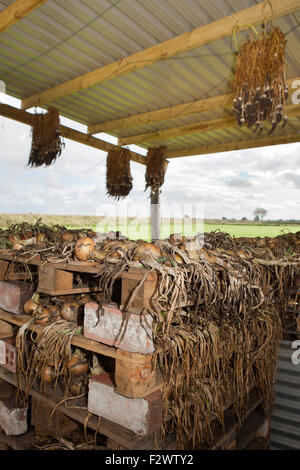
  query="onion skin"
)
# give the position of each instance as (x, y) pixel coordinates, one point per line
(83, 248)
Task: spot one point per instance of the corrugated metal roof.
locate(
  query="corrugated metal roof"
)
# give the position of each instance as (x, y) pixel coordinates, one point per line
(64, 39)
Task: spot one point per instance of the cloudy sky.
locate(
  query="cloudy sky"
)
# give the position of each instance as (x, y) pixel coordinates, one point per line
(229, 185)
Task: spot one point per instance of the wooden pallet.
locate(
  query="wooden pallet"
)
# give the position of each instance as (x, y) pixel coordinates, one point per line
(57, 278)
(129, 366)
(123, 437)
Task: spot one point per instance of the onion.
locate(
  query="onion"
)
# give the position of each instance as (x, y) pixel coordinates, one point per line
(146, 248)
(69, 311)
(47, 375)
(67, 237)
(83, 248)
(42, 315)
(55, 312)
(78, 364)
(17, 246)
(32, 304)
(41, 238)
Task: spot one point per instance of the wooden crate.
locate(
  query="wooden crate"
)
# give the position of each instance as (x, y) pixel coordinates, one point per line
(54, 281)
(136, 379)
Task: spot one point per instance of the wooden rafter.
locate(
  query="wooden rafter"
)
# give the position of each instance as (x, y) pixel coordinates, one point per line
(170, 112)
(195, 128)
(67, 132)
(241, 145)
(16, 11)
(185, 42)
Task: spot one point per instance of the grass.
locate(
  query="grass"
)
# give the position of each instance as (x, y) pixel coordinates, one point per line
(139, 227)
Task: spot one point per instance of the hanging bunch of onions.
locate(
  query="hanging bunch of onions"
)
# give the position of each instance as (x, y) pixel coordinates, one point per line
(118, 174)
(46, 141)
(155, 167)
(260, 90)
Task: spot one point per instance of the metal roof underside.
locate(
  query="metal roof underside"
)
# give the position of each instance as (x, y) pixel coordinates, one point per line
(63, 39)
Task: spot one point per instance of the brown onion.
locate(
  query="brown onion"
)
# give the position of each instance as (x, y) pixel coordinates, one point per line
(42, 315)
(83, 248)
(69, 311)
(78, 364)
(67, 237)
(41, 238)
(146, 248)
(32, 304)
(47, 375)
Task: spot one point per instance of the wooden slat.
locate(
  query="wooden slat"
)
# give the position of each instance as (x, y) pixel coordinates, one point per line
(241, 145)
(195, 128)
(185, 42)
(170, 112)
(16, 11)
(26, 118)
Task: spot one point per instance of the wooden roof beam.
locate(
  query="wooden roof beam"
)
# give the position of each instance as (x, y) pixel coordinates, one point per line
(170, 112)
(231, 146)
(195, 128)
(26, 118)
(16, 11)
(185, 42)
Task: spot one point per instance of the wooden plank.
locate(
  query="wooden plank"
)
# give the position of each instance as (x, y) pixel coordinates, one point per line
(77, 340)
(231, 424)
(250, 427)
(185, 42)
(26, 118)
(230, 147)
(170, 112)
(118, 433)
(16, 11)
(195, 128)
(80, 290)
(3, 269)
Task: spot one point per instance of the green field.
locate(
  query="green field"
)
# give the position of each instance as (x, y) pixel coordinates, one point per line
(139, 228)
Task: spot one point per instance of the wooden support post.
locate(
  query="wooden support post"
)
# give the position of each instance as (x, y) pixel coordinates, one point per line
(155, 214)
